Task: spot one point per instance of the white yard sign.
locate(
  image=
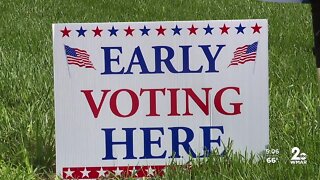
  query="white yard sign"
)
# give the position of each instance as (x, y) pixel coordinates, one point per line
(130, 97)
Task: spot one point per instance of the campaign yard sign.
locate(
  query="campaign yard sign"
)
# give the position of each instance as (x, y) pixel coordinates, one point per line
(130, 97)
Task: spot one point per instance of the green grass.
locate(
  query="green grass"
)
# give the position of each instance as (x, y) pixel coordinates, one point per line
(27, 145)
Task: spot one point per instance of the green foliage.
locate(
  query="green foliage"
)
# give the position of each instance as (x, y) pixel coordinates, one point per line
(27, 147)
(8, 171)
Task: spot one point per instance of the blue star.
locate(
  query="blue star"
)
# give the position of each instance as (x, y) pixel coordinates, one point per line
(81, 32)
(176, 30)
(145, 31)
(208, 29)
(113, 31)
(240, 29)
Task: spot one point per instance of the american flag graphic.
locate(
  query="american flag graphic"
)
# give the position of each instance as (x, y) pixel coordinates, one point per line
(244, 54)
(78, 57)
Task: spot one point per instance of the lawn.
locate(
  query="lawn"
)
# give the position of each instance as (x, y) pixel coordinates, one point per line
(27, 144)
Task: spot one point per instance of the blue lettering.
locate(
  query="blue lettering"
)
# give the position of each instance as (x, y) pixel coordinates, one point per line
(108, 60)
(185, 144)
(163, 55)
(148, 143)
(159, 59)
(186, 64)
(109, 143)
(137, 53)
(207, 138)
(210, 58)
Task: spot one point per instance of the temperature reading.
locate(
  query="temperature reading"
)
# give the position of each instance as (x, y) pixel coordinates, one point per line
(272, 156)
(272, 160)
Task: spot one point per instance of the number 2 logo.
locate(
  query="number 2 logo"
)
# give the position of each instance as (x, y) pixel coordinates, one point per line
(296, 154)
(295, 151)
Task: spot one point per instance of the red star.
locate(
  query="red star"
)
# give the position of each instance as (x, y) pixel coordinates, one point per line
(192, 30)
(256, 28)
(129, 31)
(161, 30)
(97, 31)
(65, 32)
(224, 29)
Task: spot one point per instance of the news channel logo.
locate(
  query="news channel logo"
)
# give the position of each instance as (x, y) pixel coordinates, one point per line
(298, 157)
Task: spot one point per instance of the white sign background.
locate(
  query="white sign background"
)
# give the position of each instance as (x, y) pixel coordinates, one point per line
(80, 140)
